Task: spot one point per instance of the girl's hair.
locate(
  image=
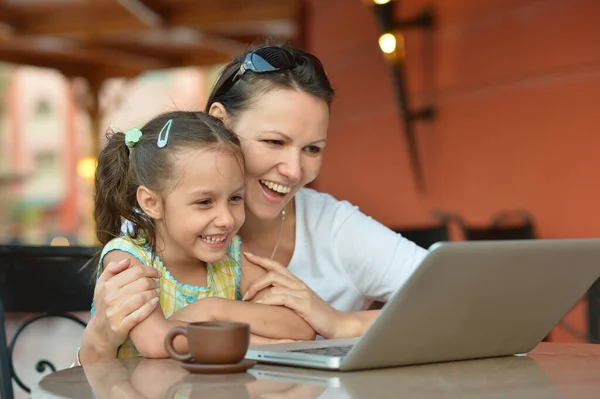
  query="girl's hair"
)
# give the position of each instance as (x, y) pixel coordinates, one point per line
(307, 74)
(122, 170)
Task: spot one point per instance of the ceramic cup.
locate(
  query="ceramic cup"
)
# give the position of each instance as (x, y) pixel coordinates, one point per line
(211, 342)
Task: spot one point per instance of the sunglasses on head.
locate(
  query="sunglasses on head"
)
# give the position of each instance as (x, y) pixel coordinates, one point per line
(270, 59)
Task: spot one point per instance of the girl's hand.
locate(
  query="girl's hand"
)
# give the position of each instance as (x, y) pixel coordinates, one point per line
(280, 287)
(205, 309)
(124, 296)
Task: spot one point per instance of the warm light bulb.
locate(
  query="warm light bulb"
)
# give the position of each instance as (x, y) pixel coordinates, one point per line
(380, 2)
(60, 241)
(86, 167)
(387, 43)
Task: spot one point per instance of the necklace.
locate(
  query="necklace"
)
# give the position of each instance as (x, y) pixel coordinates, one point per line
(280, 232)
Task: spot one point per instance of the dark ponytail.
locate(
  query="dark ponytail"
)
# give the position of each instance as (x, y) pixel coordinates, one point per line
(115, 196)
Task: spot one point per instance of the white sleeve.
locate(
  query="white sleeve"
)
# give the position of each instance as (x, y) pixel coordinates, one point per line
(377, 260)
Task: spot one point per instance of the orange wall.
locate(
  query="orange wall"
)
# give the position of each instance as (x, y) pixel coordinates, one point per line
(517, 88)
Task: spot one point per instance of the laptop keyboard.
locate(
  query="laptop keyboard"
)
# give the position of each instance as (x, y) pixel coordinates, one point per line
(337, 351)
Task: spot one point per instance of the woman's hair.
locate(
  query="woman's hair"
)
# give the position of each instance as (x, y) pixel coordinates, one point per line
(122, 170)
(307, 75)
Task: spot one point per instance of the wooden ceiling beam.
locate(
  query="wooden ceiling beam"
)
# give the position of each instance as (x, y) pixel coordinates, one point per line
(210, 14)
(109, 38)
(109, 57)
(82, 18)
(8, 17)
(75, 52)
(145, 11)
(67, 68)
(107, 18)
(202, 59)
(223, 44)
(201, 56)
(168, 43)
(83, 63)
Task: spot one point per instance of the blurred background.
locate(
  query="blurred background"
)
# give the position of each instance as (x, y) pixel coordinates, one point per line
(464, 113)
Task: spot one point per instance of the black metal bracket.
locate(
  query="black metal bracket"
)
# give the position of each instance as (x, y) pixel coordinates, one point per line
(426, 19)
(386, 16)
(426, 113)
(42, 364)
(388, 24)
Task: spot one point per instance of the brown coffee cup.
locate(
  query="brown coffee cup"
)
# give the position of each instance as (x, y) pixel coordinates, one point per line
(211, 342)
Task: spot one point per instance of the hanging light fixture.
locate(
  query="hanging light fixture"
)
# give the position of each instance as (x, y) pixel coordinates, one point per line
(391, 44)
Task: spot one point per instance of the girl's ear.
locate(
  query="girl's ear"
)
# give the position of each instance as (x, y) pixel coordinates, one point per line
(218, 111)
(150, 202)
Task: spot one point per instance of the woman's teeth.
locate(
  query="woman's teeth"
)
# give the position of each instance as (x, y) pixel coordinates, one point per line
(214, 239)
(276, 187)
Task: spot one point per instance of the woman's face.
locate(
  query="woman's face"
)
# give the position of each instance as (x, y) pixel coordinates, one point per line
(283, 136)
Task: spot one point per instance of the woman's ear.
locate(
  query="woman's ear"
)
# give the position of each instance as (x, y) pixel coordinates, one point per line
(218, 111)
(150, 202)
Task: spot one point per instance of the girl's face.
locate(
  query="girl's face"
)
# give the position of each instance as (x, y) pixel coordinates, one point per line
(283, 136)
(205, 208)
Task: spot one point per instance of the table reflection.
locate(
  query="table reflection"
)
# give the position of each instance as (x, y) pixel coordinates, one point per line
(541, 374)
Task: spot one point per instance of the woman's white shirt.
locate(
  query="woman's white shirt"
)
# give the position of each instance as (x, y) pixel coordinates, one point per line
(345, 256)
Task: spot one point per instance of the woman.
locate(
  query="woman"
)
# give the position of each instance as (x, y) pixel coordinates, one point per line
(277, 100)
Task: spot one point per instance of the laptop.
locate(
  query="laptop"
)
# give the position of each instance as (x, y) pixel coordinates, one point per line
(466, 300)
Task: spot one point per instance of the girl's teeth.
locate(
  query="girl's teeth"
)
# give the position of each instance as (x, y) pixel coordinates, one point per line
(214, 240)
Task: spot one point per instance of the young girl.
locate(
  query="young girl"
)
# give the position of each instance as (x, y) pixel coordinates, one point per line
(179, 182)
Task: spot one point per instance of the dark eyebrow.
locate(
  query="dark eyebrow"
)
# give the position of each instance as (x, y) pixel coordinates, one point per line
(202, 193)
(289, 138)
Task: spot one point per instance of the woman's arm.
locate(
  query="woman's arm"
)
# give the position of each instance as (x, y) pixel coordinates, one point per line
(376, 259)
(353, 324)
(124, 296)
(281, 288)
(148, 335)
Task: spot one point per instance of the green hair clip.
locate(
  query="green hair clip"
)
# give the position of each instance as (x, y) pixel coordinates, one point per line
(132, 137)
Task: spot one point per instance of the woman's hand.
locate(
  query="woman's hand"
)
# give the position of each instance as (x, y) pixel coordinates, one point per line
(280, 287)
(124, 296)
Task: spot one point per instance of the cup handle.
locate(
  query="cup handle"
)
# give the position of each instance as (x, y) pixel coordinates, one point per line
(171, 334)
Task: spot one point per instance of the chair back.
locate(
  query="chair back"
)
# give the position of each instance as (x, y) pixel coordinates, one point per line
(6, 390)
(514, 225)
(48, 281)
(425, 236)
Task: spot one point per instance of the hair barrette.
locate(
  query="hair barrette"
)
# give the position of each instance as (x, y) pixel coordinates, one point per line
(132, 137)
(162, 141)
